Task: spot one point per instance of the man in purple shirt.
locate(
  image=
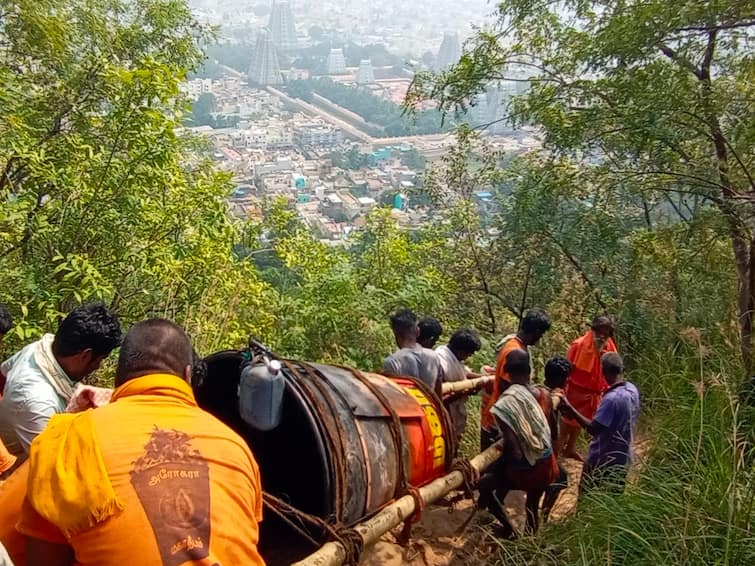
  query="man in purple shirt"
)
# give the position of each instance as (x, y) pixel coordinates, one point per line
(612, 428)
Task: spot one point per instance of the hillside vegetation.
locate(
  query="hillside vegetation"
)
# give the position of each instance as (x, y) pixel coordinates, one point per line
(644, 200)
(641, 206)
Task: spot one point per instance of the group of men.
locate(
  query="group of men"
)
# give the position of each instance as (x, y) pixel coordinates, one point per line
(147, 470)
(587, 387)
(417, 358)
(145, 477)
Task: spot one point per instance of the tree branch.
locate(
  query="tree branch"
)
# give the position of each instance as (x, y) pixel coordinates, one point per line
(710, 49)
(679, 60)
(575, 263)
(717, 27)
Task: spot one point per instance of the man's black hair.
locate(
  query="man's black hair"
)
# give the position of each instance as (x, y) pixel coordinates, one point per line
(6, 320)
(557, 371)
(89, 326)
(517, 363)
(611, 363)
(429, 329)
(156, 345)
(603, 322)
(535, 321)
(404, 322)
(464, 340)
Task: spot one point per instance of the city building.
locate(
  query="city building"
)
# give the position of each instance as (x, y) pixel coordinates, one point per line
(449, 52)
(296, 74)
(282, 28)
(317, 135)
(336, 62)
(195, 88)
(365, 73)
(265, 69)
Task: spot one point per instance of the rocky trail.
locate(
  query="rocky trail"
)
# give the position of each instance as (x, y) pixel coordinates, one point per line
(435, 539)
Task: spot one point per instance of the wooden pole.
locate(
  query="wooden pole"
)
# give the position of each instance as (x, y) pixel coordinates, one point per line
(394, 514)
(470, 385)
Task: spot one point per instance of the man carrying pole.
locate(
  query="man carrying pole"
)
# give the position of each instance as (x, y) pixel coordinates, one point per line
(463, 343)
(528, 462)
(534, 325)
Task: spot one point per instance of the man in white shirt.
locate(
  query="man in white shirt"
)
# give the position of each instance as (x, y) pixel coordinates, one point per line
(463, 344)
(40, 378)
(411, 359)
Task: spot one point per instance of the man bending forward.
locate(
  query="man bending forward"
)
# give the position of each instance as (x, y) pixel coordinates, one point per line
(149, 478)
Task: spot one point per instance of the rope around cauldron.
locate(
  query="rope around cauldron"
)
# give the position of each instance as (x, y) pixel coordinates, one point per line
(393, 514)
(350, 539)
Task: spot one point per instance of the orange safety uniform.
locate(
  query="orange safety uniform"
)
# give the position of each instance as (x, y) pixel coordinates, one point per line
(166, 482)
(501, 381)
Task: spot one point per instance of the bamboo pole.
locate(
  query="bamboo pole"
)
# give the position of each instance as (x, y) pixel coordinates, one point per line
(394, 514)
(466, 385)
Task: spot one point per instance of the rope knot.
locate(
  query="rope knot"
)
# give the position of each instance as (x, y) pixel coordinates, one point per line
(352, 542)
(468, 472)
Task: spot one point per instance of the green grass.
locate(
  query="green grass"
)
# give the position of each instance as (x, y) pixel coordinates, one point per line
(693, 499)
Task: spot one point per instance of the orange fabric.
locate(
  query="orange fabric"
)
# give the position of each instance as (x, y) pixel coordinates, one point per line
(6, 458)
(587, 372)
(586, 383)
(69, 485)
(12, 493)
(189, 485)
(585, 401)
(501, 381)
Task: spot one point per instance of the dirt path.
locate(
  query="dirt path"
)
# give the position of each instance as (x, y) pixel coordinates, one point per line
(435, 541)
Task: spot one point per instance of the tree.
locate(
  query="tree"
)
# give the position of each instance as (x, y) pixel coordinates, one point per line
(100, 197)
(355, 159)
(413, 159)
(373, 109)
(300, 89)
(316, 33)
(650, 97)
(202, 109)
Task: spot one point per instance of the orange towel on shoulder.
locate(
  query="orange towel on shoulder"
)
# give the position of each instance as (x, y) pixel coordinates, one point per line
(69, 485)
(586, 382)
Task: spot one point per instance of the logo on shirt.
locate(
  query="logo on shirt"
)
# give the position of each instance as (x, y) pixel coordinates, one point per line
(172, 482)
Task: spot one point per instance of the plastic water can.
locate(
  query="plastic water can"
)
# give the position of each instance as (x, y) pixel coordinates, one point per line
(261, 390)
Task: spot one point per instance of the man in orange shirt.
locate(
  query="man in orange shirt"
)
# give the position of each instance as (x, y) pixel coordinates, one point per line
(534, 325)
(586, 382)
(149, 478)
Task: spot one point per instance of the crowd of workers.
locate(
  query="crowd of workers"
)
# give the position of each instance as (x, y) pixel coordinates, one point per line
(587, 387)
(147, 473)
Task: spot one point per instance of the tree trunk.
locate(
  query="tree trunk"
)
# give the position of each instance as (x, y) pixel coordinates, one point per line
(743, 241)
(743, 257)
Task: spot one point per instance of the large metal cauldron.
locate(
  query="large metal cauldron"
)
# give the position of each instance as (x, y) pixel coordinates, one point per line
(338, 452)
